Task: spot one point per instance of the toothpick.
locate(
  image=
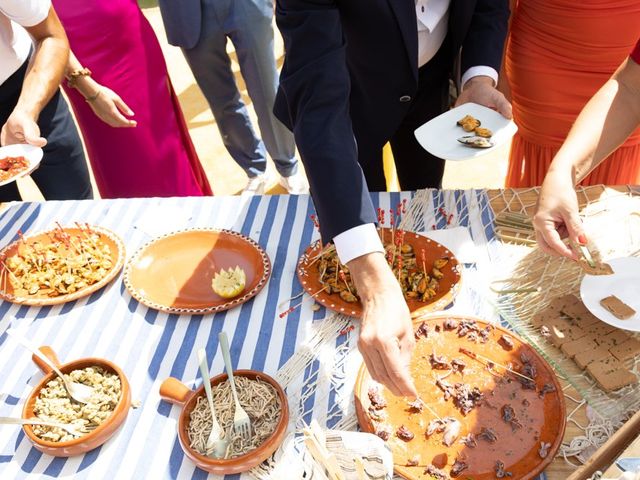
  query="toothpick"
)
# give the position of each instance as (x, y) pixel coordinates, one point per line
(477, 356)
(291, 309)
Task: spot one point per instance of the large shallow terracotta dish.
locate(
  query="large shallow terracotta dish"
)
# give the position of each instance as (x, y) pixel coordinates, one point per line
(448, 287)
(541, 416)
(97, 437)
(174, 391)
(173, 273)
(116, 247)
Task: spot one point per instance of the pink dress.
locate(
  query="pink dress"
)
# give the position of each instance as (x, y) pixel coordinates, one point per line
(114, 40)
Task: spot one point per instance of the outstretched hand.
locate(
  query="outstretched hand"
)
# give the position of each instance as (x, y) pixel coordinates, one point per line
(386, 334)
(481, 90)
(111, 109)
(557, 216)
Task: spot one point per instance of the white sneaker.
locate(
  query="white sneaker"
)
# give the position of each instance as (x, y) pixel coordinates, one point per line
(295, 184)
(257, 185)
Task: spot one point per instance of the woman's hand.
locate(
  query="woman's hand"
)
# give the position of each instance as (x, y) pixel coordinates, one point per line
(110, 108)
(556, 215)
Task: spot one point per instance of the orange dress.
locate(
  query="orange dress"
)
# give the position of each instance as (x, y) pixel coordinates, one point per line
(559, 53)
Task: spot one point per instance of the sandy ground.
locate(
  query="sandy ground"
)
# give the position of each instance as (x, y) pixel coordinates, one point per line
(225, 176)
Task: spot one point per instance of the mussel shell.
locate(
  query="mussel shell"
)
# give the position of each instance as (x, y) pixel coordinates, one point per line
(475, 141)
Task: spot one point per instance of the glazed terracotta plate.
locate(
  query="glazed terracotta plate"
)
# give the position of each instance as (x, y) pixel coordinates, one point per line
(309, 276)
(32, 155)
(106, 237)
(517, 421)
(173, 273)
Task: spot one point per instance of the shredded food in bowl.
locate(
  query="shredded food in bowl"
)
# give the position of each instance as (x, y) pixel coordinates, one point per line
(259, 399)
(54, 404)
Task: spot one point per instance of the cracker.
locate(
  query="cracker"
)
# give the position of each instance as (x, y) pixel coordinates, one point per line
(543, 317)
(558, 303)
(616, 379)
(599, 329)
(628, 349)
(574, 347)
(603, 366)
(598, 267)
(614, 338)
(579, 313)
(617, 307)
(583, 359)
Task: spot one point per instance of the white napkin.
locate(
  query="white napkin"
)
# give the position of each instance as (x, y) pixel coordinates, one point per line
(158, 220)
(457, 240)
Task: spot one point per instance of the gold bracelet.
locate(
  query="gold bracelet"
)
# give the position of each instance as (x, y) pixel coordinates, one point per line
(72, 78)
(93, 97)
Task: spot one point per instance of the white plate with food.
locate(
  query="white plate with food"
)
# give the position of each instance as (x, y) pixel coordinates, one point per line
(465, 132)
(615, 299)
(17, 161)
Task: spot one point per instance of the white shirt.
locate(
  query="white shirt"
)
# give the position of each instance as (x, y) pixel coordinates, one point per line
(15, 42)
(433, 18)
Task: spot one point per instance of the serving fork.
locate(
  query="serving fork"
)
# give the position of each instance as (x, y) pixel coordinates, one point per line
(216, 443)
(77, 431)
(79, 392)
(241, 421)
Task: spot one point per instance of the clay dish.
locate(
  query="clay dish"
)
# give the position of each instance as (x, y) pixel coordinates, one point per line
(174, 391)
(93, 439)
(449, 285)
(173, 273)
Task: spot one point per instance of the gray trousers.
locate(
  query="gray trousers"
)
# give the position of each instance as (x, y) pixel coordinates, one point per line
(248, 23)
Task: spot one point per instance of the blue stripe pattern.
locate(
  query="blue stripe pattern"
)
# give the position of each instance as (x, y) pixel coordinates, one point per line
(150, 345)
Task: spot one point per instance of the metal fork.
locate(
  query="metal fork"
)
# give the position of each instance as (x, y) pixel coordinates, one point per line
(241, 421)
(216, 443)
(77, 431)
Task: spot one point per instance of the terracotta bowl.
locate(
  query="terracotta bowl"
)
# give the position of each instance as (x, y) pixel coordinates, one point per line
(101, 434)
(174, 391)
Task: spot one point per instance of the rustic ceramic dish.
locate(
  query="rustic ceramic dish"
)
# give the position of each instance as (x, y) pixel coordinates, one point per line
(91, 440)
(542, 419)
(448, 287)
(174, 391)
(117, 257)
(173, 273)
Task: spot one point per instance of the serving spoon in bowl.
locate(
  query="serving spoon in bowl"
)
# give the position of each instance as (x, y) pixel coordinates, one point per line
(216, 443)
(79, 392)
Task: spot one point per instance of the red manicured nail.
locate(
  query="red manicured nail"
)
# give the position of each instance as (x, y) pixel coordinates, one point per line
(582, 238)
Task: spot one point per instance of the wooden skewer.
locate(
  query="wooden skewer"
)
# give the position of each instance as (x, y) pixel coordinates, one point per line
(477, 356)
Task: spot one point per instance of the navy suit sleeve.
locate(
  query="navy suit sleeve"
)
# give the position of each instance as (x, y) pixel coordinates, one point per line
(313, 101)
(487, 32)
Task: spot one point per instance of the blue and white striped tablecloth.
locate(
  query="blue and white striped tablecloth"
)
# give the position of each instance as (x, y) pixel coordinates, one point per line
(151, 346)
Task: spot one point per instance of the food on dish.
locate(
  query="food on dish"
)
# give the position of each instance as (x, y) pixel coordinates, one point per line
(469, 123)
(494, 400)
(258, 398)
(617, 307)
(596, 347)
(229, 283)
(64, 264)
(481, 137)
(417, 280)
(483, 132)
(54, 404)
(475, 141)
(12, 166)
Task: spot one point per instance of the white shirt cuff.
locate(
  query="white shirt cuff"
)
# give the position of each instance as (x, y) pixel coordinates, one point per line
(357, 241)
(479, 71)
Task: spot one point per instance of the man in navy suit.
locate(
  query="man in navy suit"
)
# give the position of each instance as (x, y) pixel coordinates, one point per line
(358, 74)
(201, 28)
